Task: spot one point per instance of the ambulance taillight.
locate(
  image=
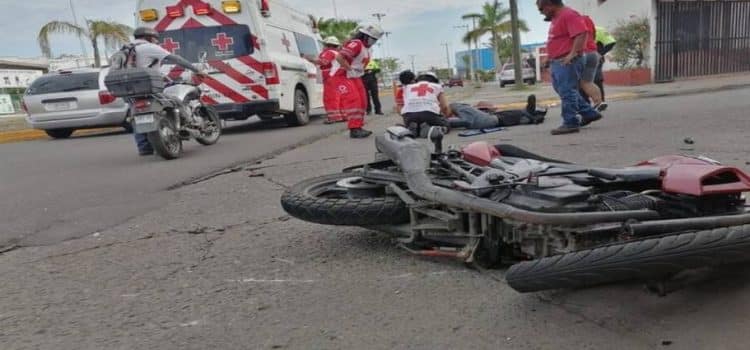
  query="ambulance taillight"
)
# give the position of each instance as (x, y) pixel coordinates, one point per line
(271, 73)
(265, 8)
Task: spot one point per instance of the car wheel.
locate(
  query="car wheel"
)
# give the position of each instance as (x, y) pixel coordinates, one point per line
(59, 133)
(301, 114)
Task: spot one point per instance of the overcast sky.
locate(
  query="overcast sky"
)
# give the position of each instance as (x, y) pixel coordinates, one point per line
(418, 26)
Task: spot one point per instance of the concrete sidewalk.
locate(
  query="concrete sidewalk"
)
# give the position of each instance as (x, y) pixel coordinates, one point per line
(511, 98)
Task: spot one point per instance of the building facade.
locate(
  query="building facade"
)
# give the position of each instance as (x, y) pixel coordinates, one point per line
(688, 38)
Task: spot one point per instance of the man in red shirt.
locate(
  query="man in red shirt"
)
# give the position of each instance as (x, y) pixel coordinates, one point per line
(565, 43)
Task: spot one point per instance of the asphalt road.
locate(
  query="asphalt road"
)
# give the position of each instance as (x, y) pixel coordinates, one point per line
(54, 190)
(220, 265)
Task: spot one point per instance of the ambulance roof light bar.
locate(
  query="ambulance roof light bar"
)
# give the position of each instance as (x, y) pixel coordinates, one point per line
(175, 11)
(231, 6)
(202, 9)
(149, 15)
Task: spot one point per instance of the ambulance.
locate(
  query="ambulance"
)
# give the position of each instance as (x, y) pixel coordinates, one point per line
(252, 51)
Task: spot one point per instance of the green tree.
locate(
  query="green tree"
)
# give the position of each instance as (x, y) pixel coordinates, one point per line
(340, 28)
(494, 19)
(633, 38)
(112, 34)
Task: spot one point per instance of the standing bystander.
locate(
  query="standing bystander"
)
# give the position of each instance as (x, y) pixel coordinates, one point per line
(567, 36)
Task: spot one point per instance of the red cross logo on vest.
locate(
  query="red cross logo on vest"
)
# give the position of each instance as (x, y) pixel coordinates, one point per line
(422, 89)
(222, 42)
(170, 45)
(286, 42)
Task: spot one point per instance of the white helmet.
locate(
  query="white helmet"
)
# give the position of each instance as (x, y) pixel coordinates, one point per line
(373, 30)
(332, 40)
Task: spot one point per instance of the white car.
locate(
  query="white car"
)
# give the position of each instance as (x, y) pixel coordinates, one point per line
(507, 75)
(252, 51)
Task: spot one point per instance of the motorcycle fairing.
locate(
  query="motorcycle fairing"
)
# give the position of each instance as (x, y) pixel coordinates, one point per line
(699, 177)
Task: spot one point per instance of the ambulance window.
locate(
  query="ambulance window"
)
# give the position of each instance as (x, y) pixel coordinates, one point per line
(217, 42)
(307, 45)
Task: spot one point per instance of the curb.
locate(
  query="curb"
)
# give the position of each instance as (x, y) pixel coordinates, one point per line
(637, 95)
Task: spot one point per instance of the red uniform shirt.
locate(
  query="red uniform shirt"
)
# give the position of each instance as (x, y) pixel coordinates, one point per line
(357, 54)
(591, 39)
(399, 98)
(566, 25)
(325, 60)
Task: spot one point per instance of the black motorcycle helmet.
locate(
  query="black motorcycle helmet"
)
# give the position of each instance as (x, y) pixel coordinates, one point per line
(145, 33)
(407, 77)
(429, 77)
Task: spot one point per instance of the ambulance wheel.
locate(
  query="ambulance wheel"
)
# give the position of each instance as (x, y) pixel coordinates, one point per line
(301, 114)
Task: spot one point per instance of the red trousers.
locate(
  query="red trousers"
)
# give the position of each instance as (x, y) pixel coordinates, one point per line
(332, 100)
(353, 100)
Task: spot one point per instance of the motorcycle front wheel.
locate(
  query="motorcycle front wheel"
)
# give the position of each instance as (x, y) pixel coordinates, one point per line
(165, 140)
(212, 130)
(344, 199)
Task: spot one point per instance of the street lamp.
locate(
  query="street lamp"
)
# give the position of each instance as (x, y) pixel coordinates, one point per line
(471, 54)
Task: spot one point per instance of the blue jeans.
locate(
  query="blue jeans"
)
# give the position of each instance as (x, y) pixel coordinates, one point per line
(142, 142)
(566, 81)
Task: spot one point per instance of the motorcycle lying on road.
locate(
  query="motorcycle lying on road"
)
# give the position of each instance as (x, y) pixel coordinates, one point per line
(167, 113)
(558, 225)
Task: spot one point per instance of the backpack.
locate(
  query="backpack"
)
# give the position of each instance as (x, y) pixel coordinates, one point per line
(125, 58)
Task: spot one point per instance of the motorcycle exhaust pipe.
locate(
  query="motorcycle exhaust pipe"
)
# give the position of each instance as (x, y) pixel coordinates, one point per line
(638, 229)
(414, 160)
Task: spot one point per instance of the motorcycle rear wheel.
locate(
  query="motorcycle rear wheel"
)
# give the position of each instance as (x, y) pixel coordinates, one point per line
(322, 201)
(650, 258)
(165, 140)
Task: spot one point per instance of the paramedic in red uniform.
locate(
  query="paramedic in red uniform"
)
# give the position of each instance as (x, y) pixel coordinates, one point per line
(347, 74)
(565, 44)
(331, 100)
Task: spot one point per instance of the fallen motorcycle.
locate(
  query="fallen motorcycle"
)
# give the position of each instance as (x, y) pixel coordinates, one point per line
(558, 225)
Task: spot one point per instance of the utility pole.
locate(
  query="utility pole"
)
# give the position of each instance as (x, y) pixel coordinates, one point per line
(517, 66)
(379, 16)
(413, 69)
(83, 45)
(448, 56)
(335, 11)
(471, 54)
(385, 43)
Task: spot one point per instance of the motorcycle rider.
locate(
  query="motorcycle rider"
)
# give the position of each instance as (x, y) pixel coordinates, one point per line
(347, 73)
(149, 55)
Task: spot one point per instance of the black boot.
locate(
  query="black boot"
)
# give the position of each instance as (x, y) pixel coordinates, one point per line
(359, 133)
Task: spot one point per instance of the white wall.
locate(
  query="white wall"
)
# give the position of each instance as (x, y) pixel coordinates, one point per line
(609, 13)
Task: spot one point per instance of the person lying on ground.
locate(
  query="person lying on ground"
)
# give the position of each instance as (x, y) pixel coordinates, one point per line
(486, 116)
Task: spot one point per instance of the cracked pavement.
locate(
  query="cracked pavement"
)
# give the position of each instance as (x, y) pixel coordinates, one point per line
(220, 265)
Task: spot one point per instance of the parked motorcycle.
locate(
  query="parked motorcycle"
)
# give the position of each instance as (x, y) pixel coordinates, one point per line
(167, 114)
(558, 225)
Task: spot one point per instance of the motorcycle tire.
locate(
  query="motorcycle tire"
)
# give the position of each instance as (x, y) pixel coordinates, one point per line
(166, 141)
(650, 258)
(300, 202)
(210, 113)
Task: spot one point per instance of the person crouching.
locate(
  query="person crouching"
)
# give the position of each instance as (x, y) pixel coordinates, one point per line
(424, 102)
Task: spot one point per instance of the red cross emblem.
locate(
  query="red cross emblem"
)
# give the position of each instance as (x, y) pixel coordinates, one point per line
(170, 45)
(222, 42)
(286, 42)
(422, 89)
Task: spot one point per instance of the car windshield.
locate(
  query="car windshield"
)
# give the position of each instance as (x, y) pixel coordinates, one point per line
(49, 84)
(219, 42)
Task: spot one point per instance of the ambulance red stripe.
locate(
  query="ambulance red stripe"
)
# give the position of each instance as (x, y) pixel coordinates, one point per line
(239, 77)
(224, 90)
(252, 63)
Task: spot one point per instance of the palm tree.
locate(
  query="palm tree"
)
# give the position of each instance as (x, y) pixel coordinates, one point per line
(340, 28)
(113, 35)
(494, 20)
